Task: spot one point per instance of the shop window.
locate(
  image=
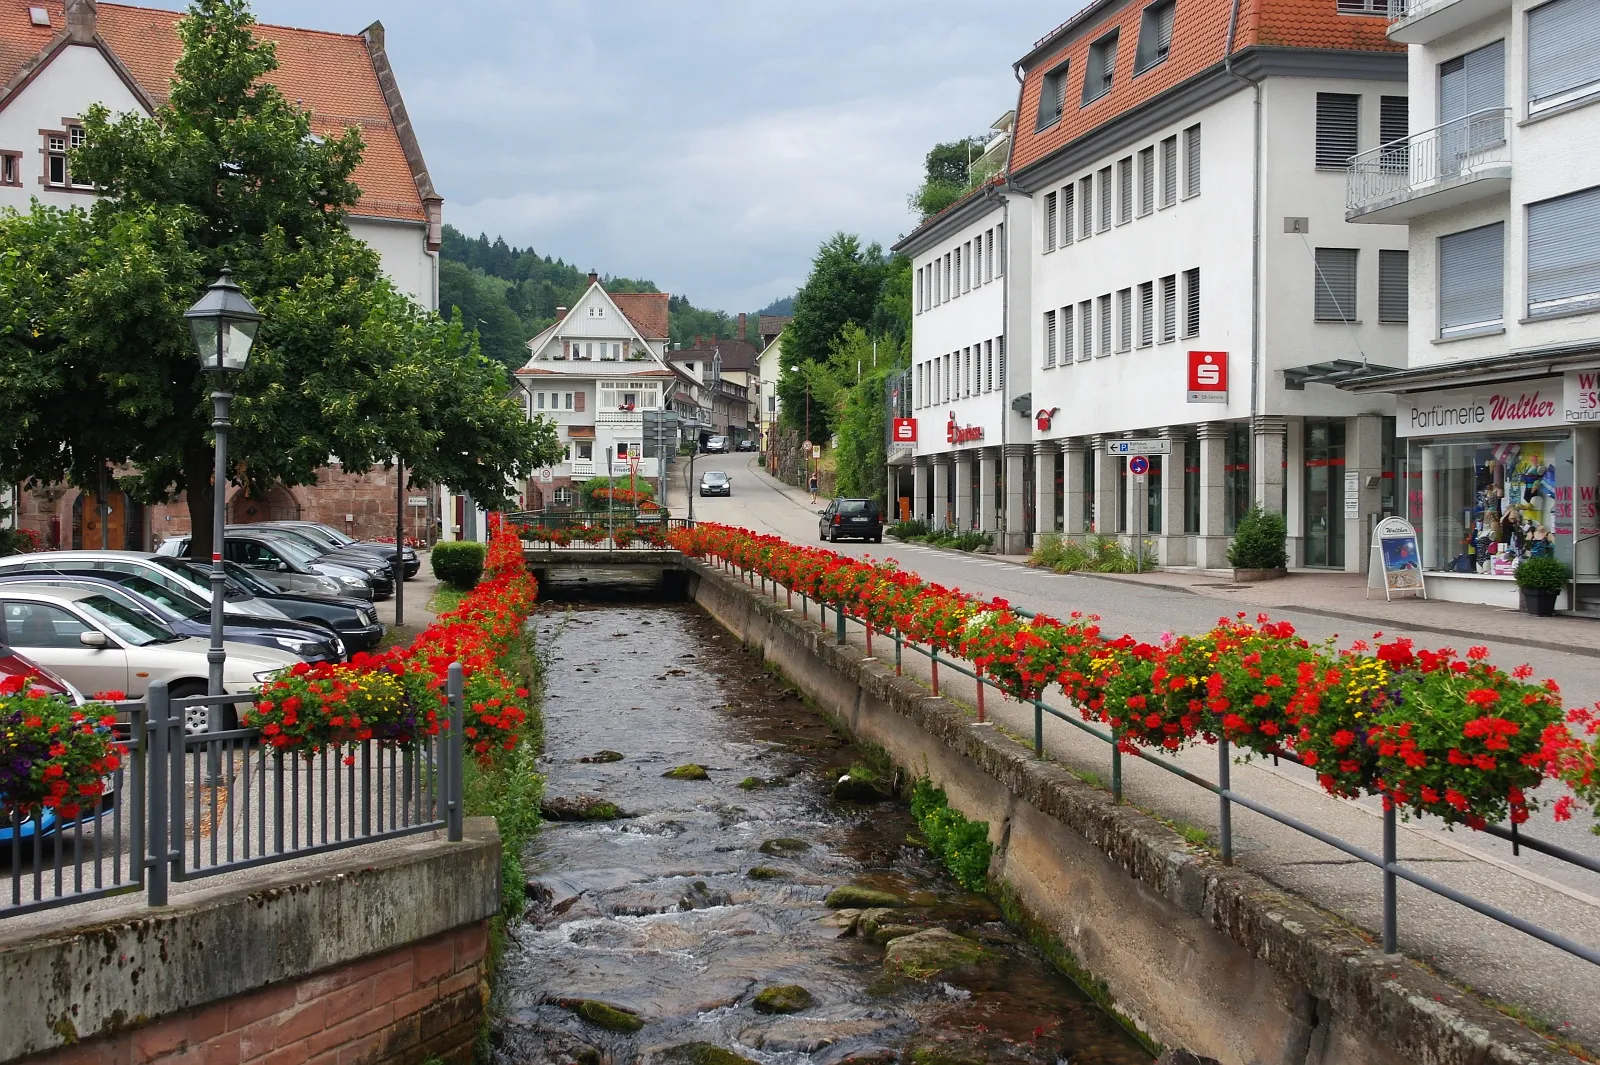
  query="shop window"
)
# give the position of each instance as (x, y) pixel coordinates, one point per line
(1487, 504)
(1191, 487)
(1235, 476)
(1323, 495)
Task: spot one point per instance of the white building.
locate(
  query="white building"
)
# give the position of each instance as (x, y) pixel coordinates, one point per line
(1186, 174)
(595, 372)
(769, 367)
(1499, 183)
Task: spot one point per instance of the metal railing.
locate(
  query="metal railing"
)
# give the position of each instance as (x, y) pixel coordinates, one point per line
(1414, 164)
(623, 521)
(185, 807)
(1387, 862)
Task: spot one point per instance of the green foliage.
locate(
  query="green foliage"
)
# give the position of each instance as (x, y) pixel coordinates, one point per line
(861, 456)
(962, 845)
(1260, 541)
(950, 173)
(595, 486)
(920, 532)
(1542, 573)
(458, 563)
(914, 529)
(483, 303)
(1094, 553)
(842, 288)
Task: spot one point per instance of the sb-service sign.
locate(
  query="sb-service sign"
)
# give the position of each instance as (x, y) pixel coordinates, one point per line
(1208, 377)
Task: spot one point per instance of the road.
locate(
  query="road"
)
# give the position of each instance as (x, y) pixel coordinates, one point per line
(1472, 950)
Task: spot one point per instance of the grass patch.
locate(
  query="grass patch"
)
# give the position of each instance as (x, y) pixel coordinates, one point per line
(1092, 554)
(445, 599)
(962, 845)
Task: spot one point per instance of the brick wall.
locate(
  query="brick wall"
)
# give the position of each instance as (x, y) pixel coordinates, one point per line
(404, 1006)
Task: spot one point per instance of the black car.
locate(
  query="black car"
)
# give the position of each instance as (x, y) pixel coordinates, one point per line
(747, 444)
(715, 483)
(379, 570)
(336, 541)
(853, 519)
(355, 620)
(191, 616)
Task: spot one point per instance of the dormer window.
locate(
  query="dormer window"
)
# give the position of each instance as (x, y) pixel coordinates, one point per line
(1155, 35)
(1101, 65)
(1052, 97)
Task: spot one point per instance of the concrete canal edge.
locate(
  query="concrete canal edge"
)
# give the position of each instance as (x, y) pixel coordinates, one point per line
(375, 954)
(1198, 955)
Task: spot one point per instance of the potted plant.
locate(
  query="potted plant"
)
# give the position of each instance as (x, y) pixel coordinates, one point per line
(1259, 551)
(1541, 579)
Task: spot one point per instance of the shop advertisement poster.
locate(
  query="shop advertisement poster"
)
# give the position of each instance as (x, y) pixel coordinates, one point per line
(1396, 562)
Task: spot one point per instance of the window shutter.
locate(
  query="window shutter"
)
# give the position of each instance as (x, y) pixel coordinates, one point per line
(1338, 121)
(1394, 118)
(1068, 219)
(1473, 82)
(1564, 254)
(1085, 330)
(1169, 171)
(1105, 324)
(1335, 282)
(1191, 279)
(1000, 354)
(1125, 190)
(1049, 339)
(1169, 308)
(1000, 254)
(1471, 280)
(1191, 152)
(1394, 299)
(1086, 206)
(580, 401)
(1049, 221)
(1065, 318)
(1105, 199)
(1147, 312)
(1563, 49)
(1147, 181)
(1124, 319)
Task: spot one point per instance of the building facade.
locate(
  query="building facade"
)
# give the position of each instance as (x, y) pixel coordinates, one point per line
(1498, 410)
(59, 57)
(596, 372)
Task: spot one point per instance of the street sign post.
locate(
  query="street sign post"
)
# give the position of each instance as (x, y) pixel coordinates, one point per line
(1138, 465)
(1145, 446)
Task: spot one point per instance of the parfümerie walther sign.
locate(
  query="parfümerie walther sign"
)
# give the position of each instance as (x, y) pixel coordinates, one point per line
(1542, 403)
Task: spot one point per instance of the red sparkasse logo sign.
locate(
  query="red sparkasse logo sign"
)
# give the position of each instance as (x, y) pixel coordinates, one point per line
(1208, 377)
(905, 430)
(962, 434)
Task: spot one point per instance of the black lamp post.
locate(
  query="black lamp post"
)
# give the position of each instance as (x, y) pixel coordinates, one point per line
(223, 324)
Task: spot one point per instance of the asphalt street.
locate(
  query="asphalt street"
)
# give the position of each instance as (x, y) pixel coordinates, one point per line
(1473, 950)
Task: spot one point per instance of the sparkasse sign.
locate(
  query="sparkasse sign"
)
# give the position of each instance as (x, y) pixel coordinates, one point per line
(1208, 377)
(905, 430)
(962, 434)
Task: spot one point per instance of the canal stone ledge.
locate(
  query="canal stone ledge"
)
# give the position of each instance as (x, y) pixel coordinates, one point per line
(375, 953)
(1199, 955)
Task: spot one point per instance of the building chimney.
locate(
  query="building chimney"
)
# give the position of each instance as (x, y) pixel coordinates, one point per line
(741, 326)
(699, 341)
(593, 277)
(82, 20)
(561, 312)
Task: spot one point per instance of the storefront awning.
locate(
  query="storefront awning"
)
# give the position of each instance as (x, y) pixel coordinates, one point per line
(1513, 366)
(1336, 372)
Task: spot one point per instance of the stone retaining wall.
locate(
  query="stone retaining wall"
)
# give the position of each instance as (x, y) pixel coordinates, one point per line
(1201, 956)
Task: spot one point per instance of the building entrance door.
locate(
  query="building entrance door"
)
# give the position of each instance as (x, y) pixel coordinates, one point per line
(1324, 493)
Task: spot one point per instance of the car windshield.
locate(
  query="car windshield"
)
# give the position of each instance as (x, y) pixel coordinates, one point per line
(317, 536)
(714, 477)
(248, 581)
(299, 541)
(857, 506)
(126, 623)
(291, 550)
(179, 602)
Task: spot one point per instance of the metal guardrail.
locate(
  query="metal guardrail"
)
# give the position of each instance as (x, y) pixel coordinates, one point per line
(1227, 797)
(185, 807)
(1411, 165)
(622, 520)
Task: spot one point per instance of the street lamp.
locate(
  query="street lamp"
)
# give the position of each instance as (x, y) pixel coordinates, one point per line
(223, 324)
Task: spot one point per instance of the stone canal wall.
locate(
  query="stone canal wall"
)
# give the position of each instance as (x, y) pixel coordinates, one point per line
(373, 954)
(1201, 956)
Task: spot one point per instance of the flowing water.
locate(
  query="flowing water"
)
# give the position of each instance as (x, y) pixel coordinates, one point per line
(657, 913)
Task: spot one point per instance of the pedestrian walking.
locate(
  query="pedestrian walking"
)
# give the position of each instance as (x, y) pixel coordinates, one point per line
(813, 486)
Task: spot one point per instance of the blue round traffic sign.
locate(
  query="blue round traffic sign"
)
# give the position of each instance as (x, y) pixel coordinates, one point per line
(1138, 465)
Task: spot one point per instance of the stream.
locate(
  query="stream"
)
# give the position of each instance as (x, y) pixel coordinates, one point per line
(649, 937)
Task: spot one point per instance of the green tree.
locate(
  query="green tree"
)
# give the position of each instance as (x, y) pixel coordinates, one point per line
(861, 456)
(842, 288)
(484, 304)
(96, 364)
(948, 175)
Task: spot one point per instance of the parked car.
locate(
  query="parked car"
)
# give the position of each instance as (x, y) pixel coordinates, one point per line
(716, 445)
(162, 571)
(13, 664)
(335, 539)
(191, 615)
(355, 620)
(856, 519)
(285, 565)
(378, 572)
(715, 483)
(100, 644)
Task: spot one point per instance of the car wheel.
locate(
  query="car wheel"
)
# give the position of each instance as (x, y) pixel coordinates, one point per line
(878, 539)
(833, 537)
(196, 719)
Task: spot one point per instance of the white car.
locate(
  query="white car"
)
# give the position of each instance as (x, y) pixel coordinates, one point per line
(99, 644)
(168, 573)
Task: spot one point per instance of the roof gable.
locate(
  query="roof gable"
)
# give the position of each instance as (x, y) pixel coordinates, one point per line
(647, 311)
(613, 322)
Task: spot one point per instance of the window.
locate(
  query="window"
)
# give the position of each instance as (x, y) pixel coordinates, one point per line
(988, 257)
(955, 290)
(949, 290)
(1393, 287)
(918, 288)
(1564, 254)
(1086, 206)
(1191, 302)
(1000, 357)
(1563, 52)
(1363, 7)
(75, 138)
(1000, 256)
(1067, 221)
(1155, 35)
(10, 169)
(1049, 339)
(1066, 335)
(566, 401)
(1050, 222)
(1103, 222)
(945, 378)
(538, 401)
(1394, 118)
(55, 158)
(37, 625)
(596, 311)
(1335, 282)
(1469, 85)
(1147, 181)
(563, 495)
(918, 392)
(988, 364)
(1124, 190)
(1052, 97)
(1338, 122)
(579, 400)
(1105, 324)
(586, 449)
(1191, 161)
(1085, 330)
(1147, 314)
(1124, 319)
(1169, 308)
(1101, 64)
(1471, 281)
(1169, 171)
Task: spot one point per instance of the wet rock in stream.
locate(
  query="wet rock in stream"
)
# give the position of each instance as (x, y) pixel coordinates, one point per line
(687, 772)
(600, 757)
(681, 923)
(582, 808)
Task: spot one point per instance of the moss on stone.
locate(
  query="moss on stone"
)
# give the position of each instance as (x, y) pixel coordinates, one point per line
(784, 998)
(785, 847)
(853, 896)
(604, 1015)
(583, 808)
(687, 772)
(702, 1054)
(603, 756)
(765, 872)
(939, 952)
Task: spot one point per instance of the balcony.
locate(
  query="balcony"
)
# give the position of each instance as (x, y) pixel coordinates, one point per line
(1426, 21)
(1465, 160)
(619, 417)
(582, 467)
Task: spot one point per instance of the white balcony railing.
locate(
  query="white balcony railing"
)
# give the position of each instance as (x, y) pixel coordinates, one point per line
(582, 467)
(1445, 156)
(619, 417)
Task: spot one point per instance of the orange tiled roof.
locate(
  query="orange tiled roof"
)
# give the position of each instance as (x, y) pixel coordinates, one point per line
(646, 310)
(330, 74)
(1199, 37)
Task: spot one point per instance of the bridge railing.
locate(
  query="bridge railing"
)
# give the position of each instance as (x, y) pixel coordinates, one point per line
(596, 530)
(185, 806)
(1387, 863)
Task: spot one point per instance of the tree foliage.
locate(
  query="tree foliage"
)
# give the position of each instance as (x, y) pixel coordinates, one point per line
(950, 172)
(96, 363)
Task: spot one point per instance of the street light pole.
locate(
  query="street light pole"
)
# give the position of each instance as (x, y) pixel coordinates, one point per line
(399, 541)
(216, 655)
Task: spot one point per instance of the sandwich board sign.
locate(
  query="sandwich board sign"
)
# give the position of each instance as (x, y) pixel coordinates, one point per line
(1396, 564)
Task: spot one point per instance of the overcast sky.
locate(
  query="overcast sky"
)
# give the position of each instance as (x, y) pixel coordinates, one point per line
(708, 145)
